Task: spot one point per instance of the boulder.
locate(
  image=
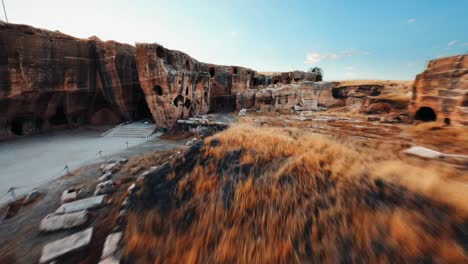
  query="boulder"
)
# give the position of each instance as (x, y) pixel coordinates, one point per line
(104, 187)
(55, 222)
(79, 205)
(105, 177)
(423, 152)
(242, 112)
(440, 92)
(112, 246)
(65, 246)
(111, 167)
(69, 195)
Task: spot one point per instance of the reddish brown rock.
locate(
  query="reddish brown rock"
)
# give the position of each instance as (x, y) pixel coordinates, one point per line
(441, 91)
(174, 84)
(49, 79)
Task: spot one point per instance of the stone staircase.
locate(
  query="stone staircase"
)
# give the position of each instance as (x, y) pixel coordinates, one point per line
(140, 129)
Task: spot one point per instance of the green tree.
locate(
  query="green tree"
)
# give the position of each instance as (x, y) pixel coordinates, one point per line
(318, 71)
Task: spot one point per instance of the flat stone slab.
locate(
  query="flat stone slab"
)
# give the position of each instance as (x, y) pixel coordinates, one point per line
(55, 222)
(423, 152)
(66, 245)
(112, 245)
(80, 205)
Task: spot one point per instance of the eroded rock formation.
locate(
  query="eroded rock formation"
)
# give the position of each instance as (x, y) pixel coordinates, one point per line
(49, 79)
(177, 86)
(441, 91)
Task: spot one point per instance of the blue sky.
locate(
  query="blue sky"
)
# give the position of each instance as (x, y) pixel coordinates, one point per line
(364, 39)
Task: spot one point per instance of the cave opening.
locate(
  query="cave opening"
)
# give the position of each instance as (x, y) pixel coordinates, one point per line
(59, 118)
(447, 121)
(234, 70)
(187, 65)
(143, 111)
(223, 104)
(187, 103)
(426, 114)
(179, 101)
(158, 90)
(17, 126)
(212, 72)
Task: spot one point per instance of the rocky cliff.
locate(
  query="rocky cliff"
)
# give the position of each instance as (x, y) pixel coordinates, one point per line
(49, 79)
(441, 91)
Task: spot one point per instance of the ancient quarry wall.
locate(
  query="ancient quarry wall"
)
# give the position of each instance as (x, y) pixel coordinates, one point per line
(49, 79)
(177, 86)
(303, 96)
(441, 91)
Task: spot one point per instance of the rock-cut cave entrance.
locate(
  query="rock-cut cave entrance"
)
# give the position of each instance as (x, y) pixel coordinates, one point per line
(426, 114)
(60, 118)
(17, 126)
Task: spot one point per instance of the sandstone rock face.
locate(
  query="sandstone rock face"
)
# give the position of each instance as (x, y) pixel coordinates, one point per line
(177, 86)
(304, 96)
(174, 84)
(49, 79)
(441, 91)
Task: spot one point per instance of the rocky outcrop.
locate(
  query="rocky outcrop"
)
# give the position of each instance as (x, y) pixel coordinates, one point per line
(300, 96)
(49, 79)
(175, 85)
(441, 91)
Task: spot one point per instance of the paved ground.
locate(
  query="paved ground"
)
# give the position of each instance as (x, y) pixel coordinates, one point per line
(32, 161)
(20, 237)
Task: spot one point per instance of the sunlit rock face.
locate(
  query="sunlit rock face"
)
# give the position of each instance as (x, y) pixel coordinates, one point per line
(441, 91)
(175, 85)
(49, 79)
(305, 96)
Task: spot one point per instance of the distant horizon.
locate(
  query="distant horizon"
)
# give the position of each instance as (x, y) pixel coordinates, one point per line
(392, 40)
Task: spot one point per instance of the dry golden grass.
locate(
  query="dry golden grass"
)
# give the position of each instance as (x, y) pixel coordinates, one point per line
(448, 139)
(283, 195)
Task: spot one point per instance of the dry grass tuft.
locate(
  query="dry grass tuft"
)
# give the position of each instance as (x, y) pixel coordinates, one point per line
(282, 195)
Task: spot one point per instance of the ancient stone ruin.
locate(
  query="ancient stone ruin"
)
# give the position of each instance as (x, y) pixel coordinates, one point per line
(440, 92)
(52, 80)
(49, 79)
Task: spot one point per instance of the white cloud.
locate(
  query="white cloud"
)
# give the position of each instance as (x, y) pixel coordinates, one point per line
(315, 57)
(411, 20)
(451, 43)
(464, 44)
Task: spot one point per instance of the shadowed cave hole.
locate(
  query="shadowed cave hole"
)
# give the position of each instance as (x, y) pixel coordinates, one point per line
(187, 103)
(187, 65)
(17, 126)
(60, 118)
(426, 114)
(179, 101)
(158, 90)
(234, 70)
(212, 72)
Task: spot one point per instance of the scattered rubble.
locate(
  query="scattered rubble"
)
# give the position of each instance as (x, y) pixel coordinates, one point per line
(104, 187)
(105, 177)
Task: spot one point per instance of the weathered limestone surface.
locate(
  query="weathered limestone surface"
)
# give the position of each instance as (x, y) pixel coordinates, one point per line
(177, 86)
(442, 87)
(173, 83)
(305, 95)
(49, 79)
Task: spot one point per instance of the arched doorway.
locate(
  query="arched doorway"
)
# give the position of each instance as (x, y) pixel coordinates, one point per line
(426, 114)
